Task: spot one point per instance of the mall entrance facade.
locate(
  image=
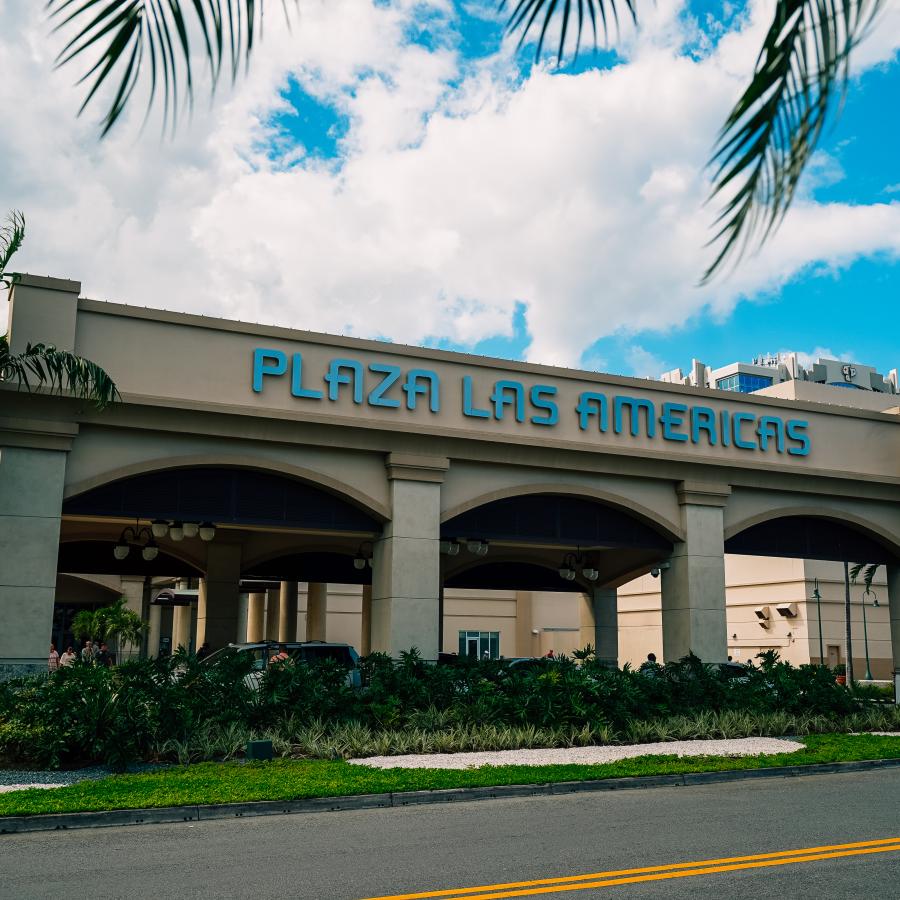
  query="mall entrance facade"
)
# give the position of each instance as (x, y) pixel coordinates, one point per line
(244, 454)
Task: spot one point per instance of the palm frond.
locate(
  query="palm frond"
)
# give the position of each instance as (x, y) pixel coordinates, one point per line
(57, 370)
(124, 38)
(774, 128)
(11, 236)
(526, 15)
(868, 572)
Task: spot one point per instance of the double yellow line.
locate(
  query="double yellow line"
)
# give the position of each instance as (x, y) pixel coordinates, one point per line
(595, 880)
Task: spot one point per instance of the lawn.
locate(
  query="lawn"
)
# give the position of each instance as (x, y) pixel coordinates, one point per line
(301, 779)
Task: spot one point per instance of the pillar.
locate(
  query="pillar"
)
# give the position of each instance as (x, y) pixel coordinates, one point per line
(273, 602)
(316, 611)
(217, 602)
(154, 633)
(600, 624)
(32, 476)
(365, 637)
(256, 617)
(243, 611)
(406, 578)
(287, 611)
(893, 591)
(524, 624)
(181, 627)
(693, 585)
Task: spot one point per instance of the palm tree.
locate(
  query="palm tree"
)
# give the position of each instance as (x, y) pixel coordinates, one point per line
(113, 622)
(762, 150)
(868, 571)
(57, 370)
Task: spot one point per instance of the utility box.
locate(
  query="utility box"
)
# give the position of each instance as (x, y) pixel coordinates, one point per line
(259, 750)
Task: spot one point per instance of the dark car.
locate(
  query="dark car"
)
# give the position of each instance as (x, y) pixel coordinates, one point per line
(264, 653)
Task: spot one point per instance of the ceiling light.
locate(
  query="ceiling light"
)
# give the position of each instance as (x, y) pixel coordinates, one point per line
(159, 527)
(150, 551)
(590, 573)
(207, 531)
(121, 550)
(176, 531)
(190, 529)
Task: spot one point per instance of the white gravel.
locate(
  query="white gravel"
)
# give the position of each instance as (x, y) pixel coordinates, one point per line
(6, 788)
(582, 755)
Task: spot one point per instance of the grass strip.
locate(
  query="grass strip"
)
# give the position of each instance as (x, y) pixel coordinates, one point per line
(285, 779)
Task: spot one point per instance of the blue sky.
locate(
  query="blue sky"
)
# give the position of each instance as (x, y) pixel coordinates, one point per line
(395, 169)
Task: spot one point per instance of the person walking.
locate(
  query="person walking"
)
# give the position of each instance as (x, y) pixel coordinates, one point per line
(87, 654)
(68, 658)
(104, 658)
(53, 659)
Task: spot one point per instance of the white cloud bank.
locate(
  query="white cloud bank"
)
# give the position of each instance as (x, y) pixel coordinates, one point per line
(461, 190)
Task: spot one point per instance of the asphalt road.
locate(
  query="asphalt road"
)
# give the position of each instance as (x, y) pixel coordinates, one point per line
(374, 853)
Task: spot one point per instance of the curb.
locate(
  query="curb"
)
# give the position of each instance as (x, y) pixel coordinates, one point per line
(209, 812)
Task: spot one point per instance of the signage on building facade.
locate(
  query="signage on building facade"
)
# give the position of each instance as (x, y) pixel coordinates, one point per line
(388, 386)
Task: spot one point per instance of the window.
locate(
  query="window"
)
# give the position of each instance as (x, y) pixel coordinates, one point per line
(480, 644)
(845, 384)
(743, 383)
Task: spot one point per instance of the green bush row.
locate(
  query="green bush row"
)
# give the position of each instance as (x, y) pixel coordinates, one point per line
(177, 708)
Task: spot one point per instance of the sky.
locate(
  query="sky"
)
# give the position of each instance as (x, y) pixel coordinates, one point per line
(398, 170)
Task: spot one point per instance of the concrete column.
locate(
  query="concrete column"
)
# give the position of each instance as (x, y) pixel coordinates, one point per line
(155, 631)
(243, 610)
(693, 586)
(600, 624)
(365, 638)
(893, 590)
(316, 611)
(287, 611)
(31, 492)
(256, 617)
(525, 640)
(273, 602)
(217, 604)
(406, 572)
(181, 627)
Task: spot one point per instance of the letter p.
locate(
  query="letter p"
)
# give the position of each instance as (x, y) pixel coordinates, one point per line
(267, 362)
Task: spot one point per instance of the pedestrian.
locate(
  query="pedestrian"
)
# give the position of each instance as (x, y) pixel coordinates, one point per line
(104, 657)
(204, 650)
(53, 659)
(68, 658)
(648, 667)
(87, 653)
(281, 656)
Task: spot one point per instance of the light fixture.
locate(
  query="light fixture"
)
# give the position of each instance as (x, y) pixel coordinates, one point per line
(207, 531)
(190, 529)
(590, 573)
(150, 551)
(482, 549)
(659, 568)
(159, 527)
(450, 548)
(363, 556)
(121, 550)
(567, 567)
(176, 531)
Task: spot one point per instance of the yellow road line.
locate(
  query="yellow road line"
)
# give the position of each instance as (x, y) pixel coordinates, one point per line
(655, 873)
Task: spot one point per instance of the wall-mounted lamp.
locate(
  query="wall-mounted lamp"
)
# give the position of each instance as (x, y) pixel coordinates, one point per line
(659, 568)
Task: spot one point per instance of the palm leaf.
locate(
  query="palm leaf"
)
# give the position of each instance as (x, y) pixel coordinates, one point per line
(11, 236)
(124, 38)
(526, 15)
(868, 572)
(772, 131)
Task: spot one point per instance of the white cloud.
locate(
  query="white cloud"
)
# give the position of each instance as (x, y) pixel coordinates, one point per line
(579, 196)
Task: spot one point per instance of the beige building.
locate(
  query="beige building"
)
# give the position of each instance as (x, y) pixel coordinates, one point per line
(446, 497)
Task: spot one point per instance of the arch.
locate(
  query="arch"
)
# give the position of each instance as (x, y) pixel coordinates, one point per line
(176, 552)
(95, 557)
(230, 495)
(848, 537)
(815, 512)
(672, 531)
(233, 461)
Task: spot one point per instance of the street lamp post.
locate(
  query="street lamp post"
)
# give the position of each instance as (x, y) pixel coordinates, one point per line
(818, 597)
(866, 630)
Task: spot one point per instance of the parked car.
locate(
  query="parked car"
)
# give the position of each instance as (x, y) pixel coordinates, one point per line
(264, 652)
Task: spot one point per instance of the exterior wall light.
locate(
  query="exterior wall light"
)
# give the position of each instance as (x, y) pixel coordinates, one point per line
(159, 527)
(657, 569)
(207, 531)
(190, 529)
(176, 531)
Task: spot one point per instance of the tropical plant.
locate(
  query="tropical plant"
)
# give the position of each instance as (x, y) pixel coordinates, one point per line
(867, 570)
(113, 622)
(56, 370)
